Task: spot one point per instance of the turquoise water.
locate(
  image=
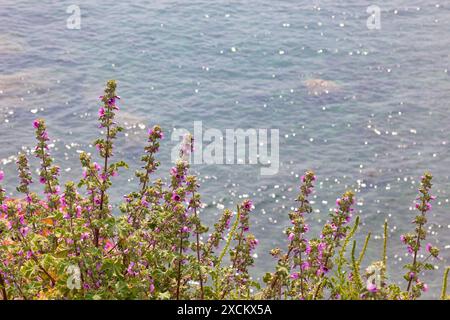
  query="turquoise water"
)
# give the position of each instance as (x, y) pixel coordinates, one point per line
(244, 64)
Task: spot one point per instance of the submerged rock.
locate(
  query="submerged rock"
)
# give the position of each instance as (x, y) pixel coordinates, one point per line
(318, 87)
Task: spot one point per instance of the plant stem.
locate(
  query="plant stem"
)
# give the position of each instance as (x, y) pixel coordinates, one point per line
(3, 286)
(416, 249)
(180, 259)
(198, 253)
(444, 284)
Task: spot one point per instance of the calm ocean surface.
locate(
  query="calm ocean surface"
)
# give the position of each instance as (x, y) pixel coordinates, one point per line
(243, 64)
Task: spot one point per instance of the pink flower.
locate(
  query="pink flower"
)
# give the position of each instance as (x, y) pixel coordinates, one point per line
(305, 265)
(24, 231)
(144, 202)
(247, 204)
(97, 166)
(78, 211)
(176, 197)
(108, 246)
(425, 287)
(429, 247)
(291, 236)
(308, 249)
(36, 124)
(2, 175)
(101, 112)
(371, 287)
(294, 276)
(29, 254)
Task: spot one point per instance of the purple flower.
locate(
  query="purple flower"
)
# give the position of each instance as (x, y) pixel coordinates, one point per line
(101, 112)
(371, 287)
(36, 124)
(24, 231)
(247, 205)
(291, 236)
(97, 166)
(29, 254)
(176, 197)
(2, 175)
(185, 229)
(144, 202)
(294, 276)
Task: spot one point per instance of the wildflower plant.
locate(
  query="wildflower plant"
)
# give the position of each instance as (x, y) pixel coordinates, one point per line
(68, 244)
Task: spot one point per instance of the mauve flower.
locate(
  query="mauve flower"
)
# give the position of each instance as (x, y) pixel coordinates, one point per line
(101, 112)
(24, 231)
(294, 276)
(2, 175)
(425, 287)
(78, 211)
(308, 249)
(291, 236)
(305, 265)
(176, 197)
(173, 171)
(97, 166)
(428, 247)
(371, 287)
(36, 124)
(108, 246)
(144, 202)
(247, 205)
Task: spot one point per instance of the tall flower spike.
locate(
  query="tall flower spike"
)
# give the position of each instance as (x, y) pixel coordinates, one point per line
(298, 245)
(48, 173)
(414, 240)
